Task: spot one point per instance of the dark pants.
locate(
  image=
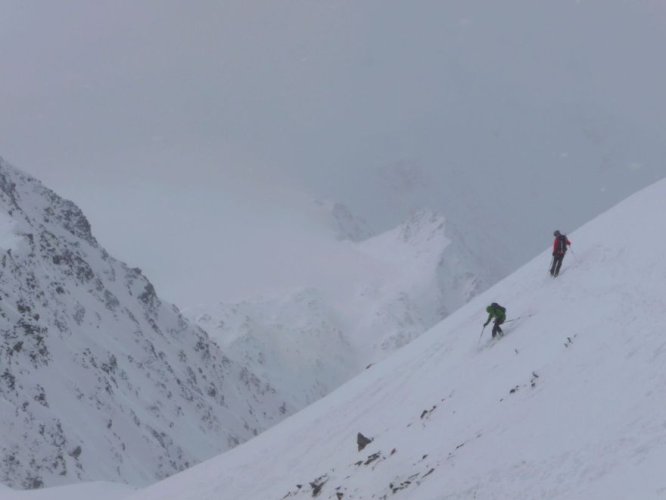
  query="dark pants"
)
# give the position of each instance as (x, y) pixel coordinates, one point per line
(557, 263)
(496, 328)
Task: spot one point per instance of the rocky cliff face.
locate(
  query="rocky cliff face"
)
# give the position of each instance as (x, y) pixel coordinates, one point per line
(99, 378)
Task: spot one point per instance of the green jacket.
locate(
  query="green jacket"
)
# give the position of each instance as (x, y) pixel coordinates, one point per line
(495, 311)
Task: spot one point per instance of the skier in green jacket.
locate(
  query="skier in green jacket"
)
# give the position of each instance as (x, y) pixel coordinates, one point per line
(497, 312)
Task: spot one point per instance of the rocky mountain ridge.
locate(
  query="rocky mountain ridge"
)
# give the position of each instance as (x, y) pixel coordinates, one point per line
(99, 378)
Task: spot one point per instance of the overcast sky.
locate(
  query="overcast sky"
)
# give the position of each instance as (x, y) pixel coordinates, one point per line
(194, 134)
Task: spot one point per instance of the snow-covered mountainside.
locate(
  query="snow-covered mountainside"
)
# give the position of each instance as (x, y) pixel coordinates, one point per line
(431, 271)
(309, 341)
(296, 342)
(567, 405)
(99, 378)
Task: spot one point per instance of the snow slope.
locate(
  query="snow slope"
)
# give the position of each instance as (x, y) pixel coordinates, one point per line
(84, 491)
(310, 340)
(567, 406)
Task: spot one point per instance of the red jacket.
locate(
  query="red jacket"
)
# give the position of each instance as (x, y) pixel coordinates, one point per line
(560, 245)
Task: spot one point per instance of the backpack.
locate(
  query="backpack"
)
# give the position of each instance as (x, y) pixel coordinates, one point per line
(562, 244)
(496, 308)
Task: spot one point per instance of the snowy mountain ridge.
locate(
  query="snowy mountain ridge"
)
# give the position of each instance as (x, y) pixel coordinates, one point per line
(309, 341)
(565, 406)
(99, 378)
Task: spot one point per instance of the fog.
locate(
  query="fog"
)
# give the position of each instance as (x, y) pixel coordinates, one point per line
(194, 135)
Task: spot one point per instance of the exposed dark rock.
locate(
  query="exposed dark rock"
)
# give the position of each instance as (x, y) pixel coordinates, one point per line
(427, 413)
(372, 458)
(318, 484)
(362, 441)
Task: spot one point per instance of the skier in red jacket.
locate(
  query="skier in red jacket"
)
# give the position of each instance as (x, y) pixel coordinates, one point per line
(560, 246)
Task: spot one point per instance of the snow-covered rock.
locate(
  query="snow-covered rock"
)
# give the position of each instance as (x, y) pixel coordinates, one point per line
(99, 378)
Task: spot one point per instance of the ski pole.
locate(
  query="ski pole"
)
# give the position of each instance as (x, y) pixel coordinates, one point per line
(482, 329)
(519, 317)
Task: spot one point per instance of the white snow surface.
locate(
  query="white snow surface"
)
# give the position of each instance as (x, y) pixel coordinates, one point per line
(568, 405)
(9, 240)
(85, 491)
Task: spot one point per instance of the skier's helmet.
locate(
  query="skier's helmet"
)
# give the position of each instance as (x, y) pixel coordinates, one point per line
(556, 233)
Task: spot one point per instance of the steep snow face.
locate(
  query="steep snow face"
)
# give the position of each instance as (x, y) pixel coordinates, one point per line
(566, 406)
(309, 341)
(100, 379)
